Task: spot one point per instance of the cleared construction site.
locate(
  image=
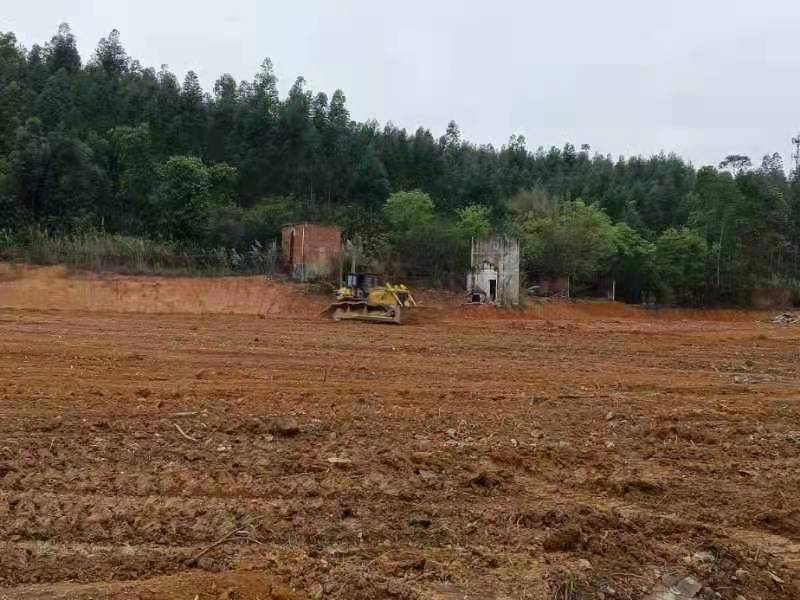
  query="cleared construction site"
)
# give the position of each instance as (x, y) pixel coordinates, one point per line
(256, 450)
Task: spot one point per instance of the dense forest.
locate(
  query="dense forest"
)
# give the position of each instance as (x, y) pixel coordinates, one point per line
(113, 161)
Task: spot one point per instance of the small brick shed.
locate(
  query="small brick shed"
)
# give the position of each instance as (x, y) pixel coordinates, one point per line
(311, 250)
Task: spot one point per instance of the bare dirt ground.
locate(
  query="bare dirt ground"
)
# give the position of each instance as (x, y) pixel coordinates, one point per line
(563, 452)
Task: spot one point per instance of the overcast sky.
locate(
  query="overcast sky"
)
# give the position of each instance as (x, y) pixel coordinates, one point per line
(703, 78)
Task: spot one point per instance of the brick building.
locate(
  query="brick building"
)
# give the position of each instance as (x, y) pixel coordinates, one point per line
(311, 250)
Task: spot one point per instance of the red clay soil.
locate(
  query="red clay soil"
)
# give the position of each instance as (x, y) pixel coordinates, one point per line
(55, 288)
(552, 455)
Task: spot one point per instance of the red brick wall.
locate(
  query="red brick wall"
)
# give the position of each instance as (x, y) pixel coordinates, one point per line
(315, 252)
(286, 246)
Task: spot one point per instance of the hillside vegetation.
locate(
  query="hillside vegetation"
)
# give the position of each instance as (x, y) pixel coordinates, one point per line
(107, 163)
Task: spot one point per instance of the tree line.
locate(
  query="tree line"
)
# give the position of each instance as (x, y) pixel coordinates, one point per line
(107, 147)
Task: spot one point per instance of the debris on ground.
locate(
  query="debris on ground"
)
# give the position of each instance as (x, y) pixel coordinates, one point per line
(284, 427)
(676, 587)
(786, 319)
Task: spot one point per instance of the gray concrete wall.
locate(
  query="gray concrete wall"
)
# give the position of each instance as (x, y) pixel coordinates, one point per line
(503, 253)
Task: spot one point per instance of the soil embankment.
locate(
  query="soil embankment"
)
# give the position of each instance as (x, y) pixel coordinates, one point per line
(54, 288)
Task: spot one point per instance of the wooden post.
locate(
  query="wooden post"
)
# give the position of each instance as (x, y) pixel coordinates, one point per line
(613, 290)
(303, 254)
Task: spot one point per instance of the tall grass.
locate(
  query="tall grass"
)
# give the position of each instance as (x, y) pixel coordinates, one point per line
(97, 251)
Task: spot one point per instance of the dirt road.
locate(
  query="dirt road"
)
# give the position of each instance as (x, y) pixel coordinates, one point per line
(217, 456)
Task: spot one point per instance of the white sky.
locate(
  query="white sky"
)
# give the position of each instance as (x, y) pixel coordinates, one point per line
(703, 78)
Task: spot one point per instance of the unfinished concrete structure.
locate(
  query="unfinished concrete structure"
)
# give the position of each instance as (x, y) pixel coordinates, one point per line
(494, 271)
(311, 250)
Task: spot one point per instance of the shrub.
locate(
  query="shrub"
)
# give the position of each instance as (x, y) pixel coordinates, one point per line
(96, 251)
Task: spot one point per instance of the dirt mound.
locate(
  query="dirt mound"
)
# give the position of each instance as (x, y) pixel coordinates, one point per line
(784, 522)
(54, 288)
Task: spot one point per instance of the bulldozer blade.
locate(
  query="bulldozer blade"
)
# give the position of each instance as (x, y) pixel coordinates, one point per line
(362, 311)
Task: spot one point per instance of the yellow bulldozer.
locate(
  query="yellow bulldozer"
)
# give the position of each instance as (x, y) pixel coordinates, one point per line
(366, 297)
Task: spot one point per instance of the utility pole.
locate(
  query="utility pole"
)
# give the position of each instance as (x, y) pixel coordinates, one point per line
(796, 153)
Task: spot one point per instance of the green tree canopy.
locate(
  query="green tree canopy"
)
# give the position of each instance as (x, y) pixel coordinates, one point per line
(406, 211)
(187, 192)
(578, 240)
(474, 221)
(681, 256)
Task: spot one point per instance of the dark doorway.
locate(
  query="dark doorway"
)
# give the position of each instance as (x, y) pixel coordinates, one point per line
(493, 290)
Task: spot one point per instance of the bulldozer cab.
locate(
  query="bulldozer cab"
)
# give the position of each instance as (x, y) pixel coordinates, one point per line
(362, 283)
